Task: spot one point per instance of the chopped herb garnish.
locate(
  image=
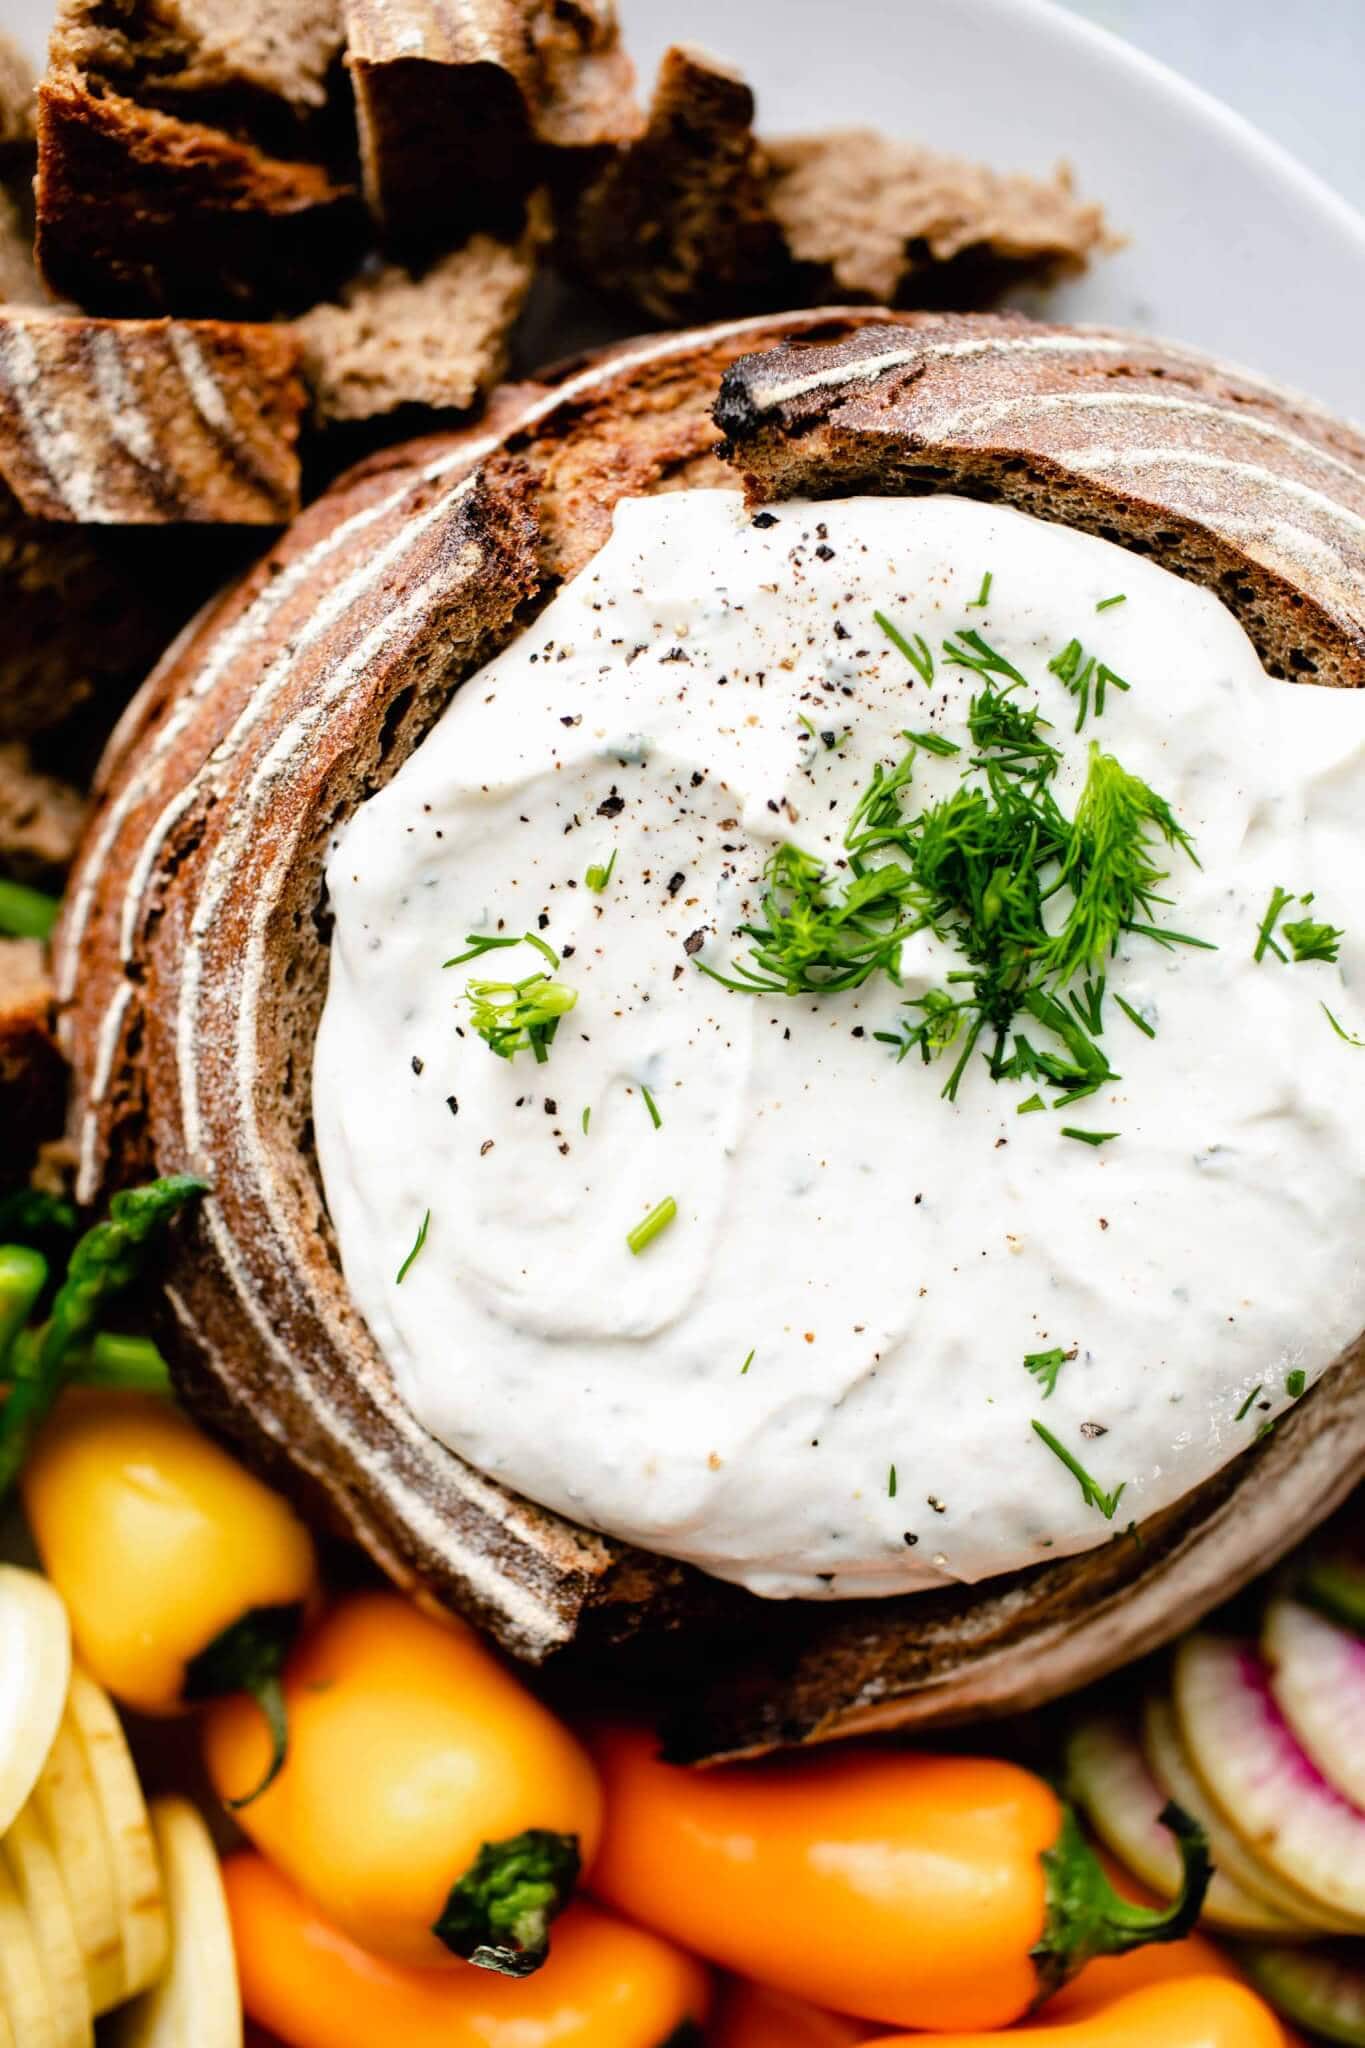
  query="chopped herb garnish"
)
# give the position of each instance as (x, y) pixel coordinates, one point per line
(1295, 1383)
(971, 651)
(419, 1241)
(918, 655)
(747, 1363)
(933, 743)
(651, 1106)
(1279, 898)
(587, 1118)
(650, 1226)
(1246, 1406)
(1358, 1043)
(1107, 603)
(1088, 1137)
(1033, 1102)
(983, 596)
(1045, 1366)
(477, 945)
(891, 1483)
(1312, 941)
(1134, 1017)
(519, 1016)
(1093, 1495)
(597, 876)
(1080, 673)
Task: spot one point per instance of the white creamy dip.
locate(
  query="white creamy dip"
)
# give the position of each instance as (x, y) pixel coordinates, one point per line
(708, 687)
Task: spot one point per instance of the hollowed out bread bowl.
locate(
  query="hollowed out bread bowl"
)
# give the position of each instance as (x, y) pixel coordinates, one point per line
(192, 960)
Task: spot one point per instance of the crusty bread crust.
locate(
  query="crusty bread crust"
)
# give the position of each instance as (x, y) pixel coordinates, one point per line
(192, 957)
(149, 422)
(32, 1077)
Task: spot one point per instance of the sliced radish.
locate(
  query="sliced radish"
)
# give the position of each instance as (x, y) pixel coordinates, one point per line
(1108, 1778)
(1322, 1987)
(1177, 1778)
(35, 1669)
(1317, 1674)
(1267, 1787)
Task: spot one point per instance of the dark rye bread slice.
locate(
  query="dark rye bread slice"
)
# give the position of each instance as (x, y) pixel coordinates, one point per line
(32, 1075)
(179, 168)
(700, 216)
(464, 106)
(40, 820)
(149, 422)
(192, 960)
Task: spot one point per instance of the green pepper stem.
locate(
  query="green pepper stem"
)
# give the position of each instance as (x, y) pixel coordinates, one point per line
(1086, 1917)
(249, 1656)
(499, 1913)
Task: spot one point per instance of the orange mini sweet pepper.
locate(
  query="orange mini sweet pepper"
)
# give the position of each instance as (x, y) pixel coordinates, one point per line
(607, 1984)
(921, 1891)
(1185, 2012)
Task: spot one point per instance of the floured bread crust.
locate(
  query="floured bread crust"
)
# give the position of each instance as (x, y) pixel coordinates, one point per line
(192, 958)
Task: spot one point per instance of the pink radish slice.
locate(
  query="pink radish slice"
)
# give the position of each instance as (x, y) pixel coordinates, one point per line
(1317, 1674)
(1322, 1988)
(1176, 1777)
(1109, 1780)
(1267, 1787)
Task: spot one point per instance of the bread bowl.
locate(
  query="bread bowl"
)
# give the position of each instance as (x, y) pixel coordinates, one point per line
(192, 960)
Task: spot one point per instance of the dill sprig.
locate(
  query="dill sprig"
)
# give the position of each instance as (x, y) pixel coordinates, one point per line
(1108, 864)
(420, 1240)
(479, 943)
(598, 876)
(814, 938)
(915, 650)
(1046, 1365)
(1342, 1033)
(1092, 1493)
(1308, 938)
(969, 650)
(1081, 673)
(519, 1016)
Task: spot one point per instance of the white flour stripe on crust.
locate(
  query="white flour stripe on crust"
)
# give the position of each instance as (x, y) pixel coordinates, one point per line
(866, 369)
(123, 413)
(975, 418)
(206, 393)
(106, 1047)
(1227, 465)
(218, 878)
(539, 1622)
(57, 449)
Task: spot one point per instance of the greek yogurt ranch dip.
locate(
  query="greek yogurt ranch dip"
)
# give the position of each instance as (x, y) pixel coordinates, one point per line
(823, 1374)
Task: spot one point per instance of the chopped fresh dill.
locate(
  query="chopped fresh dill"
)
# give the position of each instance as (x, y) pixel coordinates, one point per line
(598, 876)
(1093, 1495)
(1045, 1366)
(1134, 1017)
(1108, 863)
(969, 650)
(891, 1483)
(587, 1119)
(477, 945)
(1295, 1382)
(1312, 941)
(1027, 1108)
(649, 1227)
(918, 655)
(747, 1363)
(983, 596)
(1091, 1009)
(1088, 1137)
(1080, 673)
(420, 1240)
(1107, 603)
(1267, 1428)
(1246, 1406)
(651, 1106)
(519, 1016)
(1358, 1043)
(1264, 940)
(1308, 939)
(933, 743)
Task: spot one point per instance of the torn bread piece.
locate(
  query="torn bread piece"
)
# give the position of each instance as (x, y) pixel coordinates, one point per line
(17, 103)
(677, 222)
(463, 104)
(436, 341)
(872, 218)
(147, 422)
(40, 820)
(32, 1075)
(187, 160)
(700, 218)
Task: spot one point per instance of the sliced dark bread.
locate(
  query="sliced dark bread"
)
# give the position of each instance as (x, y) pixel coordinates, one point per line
(40, 820)
(32, 1077)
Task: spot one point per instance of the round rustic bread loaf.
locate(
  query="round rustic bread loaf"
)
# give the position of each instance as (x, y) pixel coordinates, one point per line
(192, 958)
